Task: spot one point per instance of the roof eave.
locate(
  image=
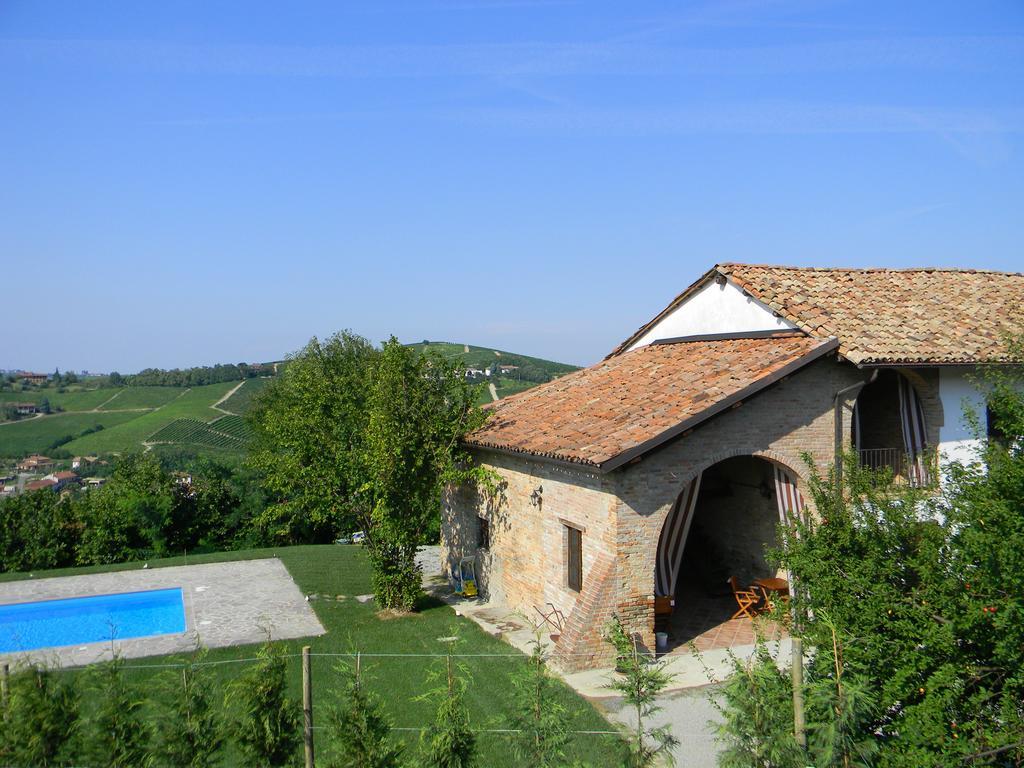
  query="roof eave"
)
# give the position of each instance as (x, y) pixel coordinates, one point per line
(827, 346)
(608, 465)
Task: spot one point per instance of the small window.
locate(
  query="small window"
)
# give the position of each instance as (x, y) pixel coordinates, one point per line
(483, 535)
(574, 558)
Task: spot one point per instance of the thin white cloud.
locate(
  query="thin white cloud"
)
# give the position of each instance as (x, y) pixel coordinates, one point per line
(962, 54)
(781, 117)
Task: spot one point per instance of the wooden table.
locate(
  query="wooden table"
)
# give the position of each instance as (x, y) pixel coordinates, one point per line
(773, 584)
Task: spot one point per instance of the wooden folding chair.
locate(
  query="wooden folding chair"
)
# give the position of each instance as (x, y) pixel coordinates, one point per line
(746, 599)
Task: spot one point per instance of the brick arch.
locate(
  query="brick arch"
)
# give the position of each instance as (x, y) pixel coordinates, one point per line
(927, 394)
(798, 469)
(658, 520)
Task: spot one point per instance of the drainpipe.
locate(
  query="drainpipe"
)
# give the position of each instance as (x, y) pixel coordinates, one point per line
(837, 406)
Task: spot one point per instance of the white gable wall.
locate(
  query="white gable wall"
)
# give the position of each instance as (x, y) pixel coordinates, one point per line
(957, 440)
(715, 309)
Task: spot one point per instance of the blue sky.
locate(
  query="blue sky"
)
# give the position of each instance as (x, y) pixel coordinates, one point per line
(189, 183)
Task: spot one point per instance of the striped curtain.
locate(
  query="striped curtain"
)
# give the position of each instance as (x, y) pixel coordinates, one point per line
(787, 495)
(791, 504)
(855, 427)
(673, 539)
(914, 435)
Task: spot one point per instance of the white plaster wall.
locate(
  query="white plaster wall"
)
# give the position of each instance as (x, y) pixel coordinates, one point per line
(956, 440)
(715, 309)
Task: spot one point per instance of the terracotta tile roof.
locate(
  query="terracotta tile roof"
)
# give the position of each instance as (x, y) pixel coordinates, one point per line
(38, 485)
(604, 415)
(895, 316)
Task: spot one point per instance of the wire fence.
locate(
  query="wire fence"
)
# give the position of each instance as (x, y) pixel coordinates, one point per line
(328, 691)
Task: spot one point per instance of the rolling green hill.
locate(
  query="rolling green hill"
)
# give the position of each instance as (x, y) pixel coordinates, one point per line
(534, 369)
(190, 403)
(20, 438)
(527, 372)
(126, 418)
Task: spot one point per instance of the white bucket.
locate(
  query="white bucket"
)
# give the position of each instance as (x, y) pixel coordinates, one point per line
(661, 641)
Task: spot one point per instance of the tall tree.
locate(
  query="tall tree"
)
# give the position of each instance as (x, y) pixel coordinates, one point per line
(309, 426)
(355, 437)
(267, 731)
(420, 405)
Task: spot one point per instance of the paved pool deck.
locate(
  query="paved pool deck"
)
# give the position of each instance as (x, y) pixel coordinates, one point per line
(233, 603)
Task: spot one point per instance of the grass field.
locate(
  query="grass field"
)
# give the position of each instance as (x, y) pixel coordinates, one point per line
(242, 400)
(191, 403)
(352, 626)
(37, 435)
(70, 400)
(143, 397)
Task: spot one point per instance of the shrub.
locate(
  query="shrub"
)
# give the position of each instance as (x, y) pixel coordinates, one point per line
(40, 721)
(268, 732)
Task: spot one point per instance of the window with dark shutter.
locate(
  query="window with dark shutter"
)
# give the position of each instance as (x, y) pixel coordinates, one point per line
(483, 537)
(574, 558)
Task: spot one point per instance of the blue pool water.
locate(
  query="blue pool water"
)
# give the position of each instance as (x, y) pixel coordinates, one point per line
(78, 620)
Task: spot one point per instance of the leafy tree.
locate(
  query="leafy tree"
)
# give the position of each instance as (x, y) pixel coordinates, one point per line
(641, 680)
(420, 405)
(756, 729)
(538, 715)
(117, 732)
(351, 436)
(38, 530)
(309, 427)
(914, 604)
(449, 742)
(44, 405)
(190, 732)
(40, 720)
(268, 732)
(112, 531)
(360, 731)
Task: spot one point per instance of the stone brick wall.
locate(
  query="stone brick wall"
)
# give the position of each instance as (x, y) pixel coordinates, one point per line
(526, 564)
(622, 513)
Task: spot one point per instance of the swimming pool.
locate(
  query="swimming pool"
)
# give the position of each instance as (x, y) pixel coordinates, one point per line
(78, 620)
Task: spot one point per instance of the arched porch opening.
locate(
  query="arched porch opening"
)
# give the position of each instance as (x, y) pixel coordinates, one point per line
(721, 528)
(888, 429)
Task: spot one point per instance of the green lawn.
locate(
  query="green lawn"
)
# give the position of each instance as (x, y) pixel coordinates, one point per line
(36, 435)
(191, 403)
(143, 397)
(338, 570)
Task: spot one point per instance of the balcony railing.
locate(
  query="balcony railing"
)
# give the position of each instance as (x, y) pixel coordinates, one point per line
(919, 473)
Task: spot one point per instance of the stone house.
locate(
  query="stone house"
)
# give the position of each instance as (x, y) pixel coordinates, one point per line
(665, 468)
